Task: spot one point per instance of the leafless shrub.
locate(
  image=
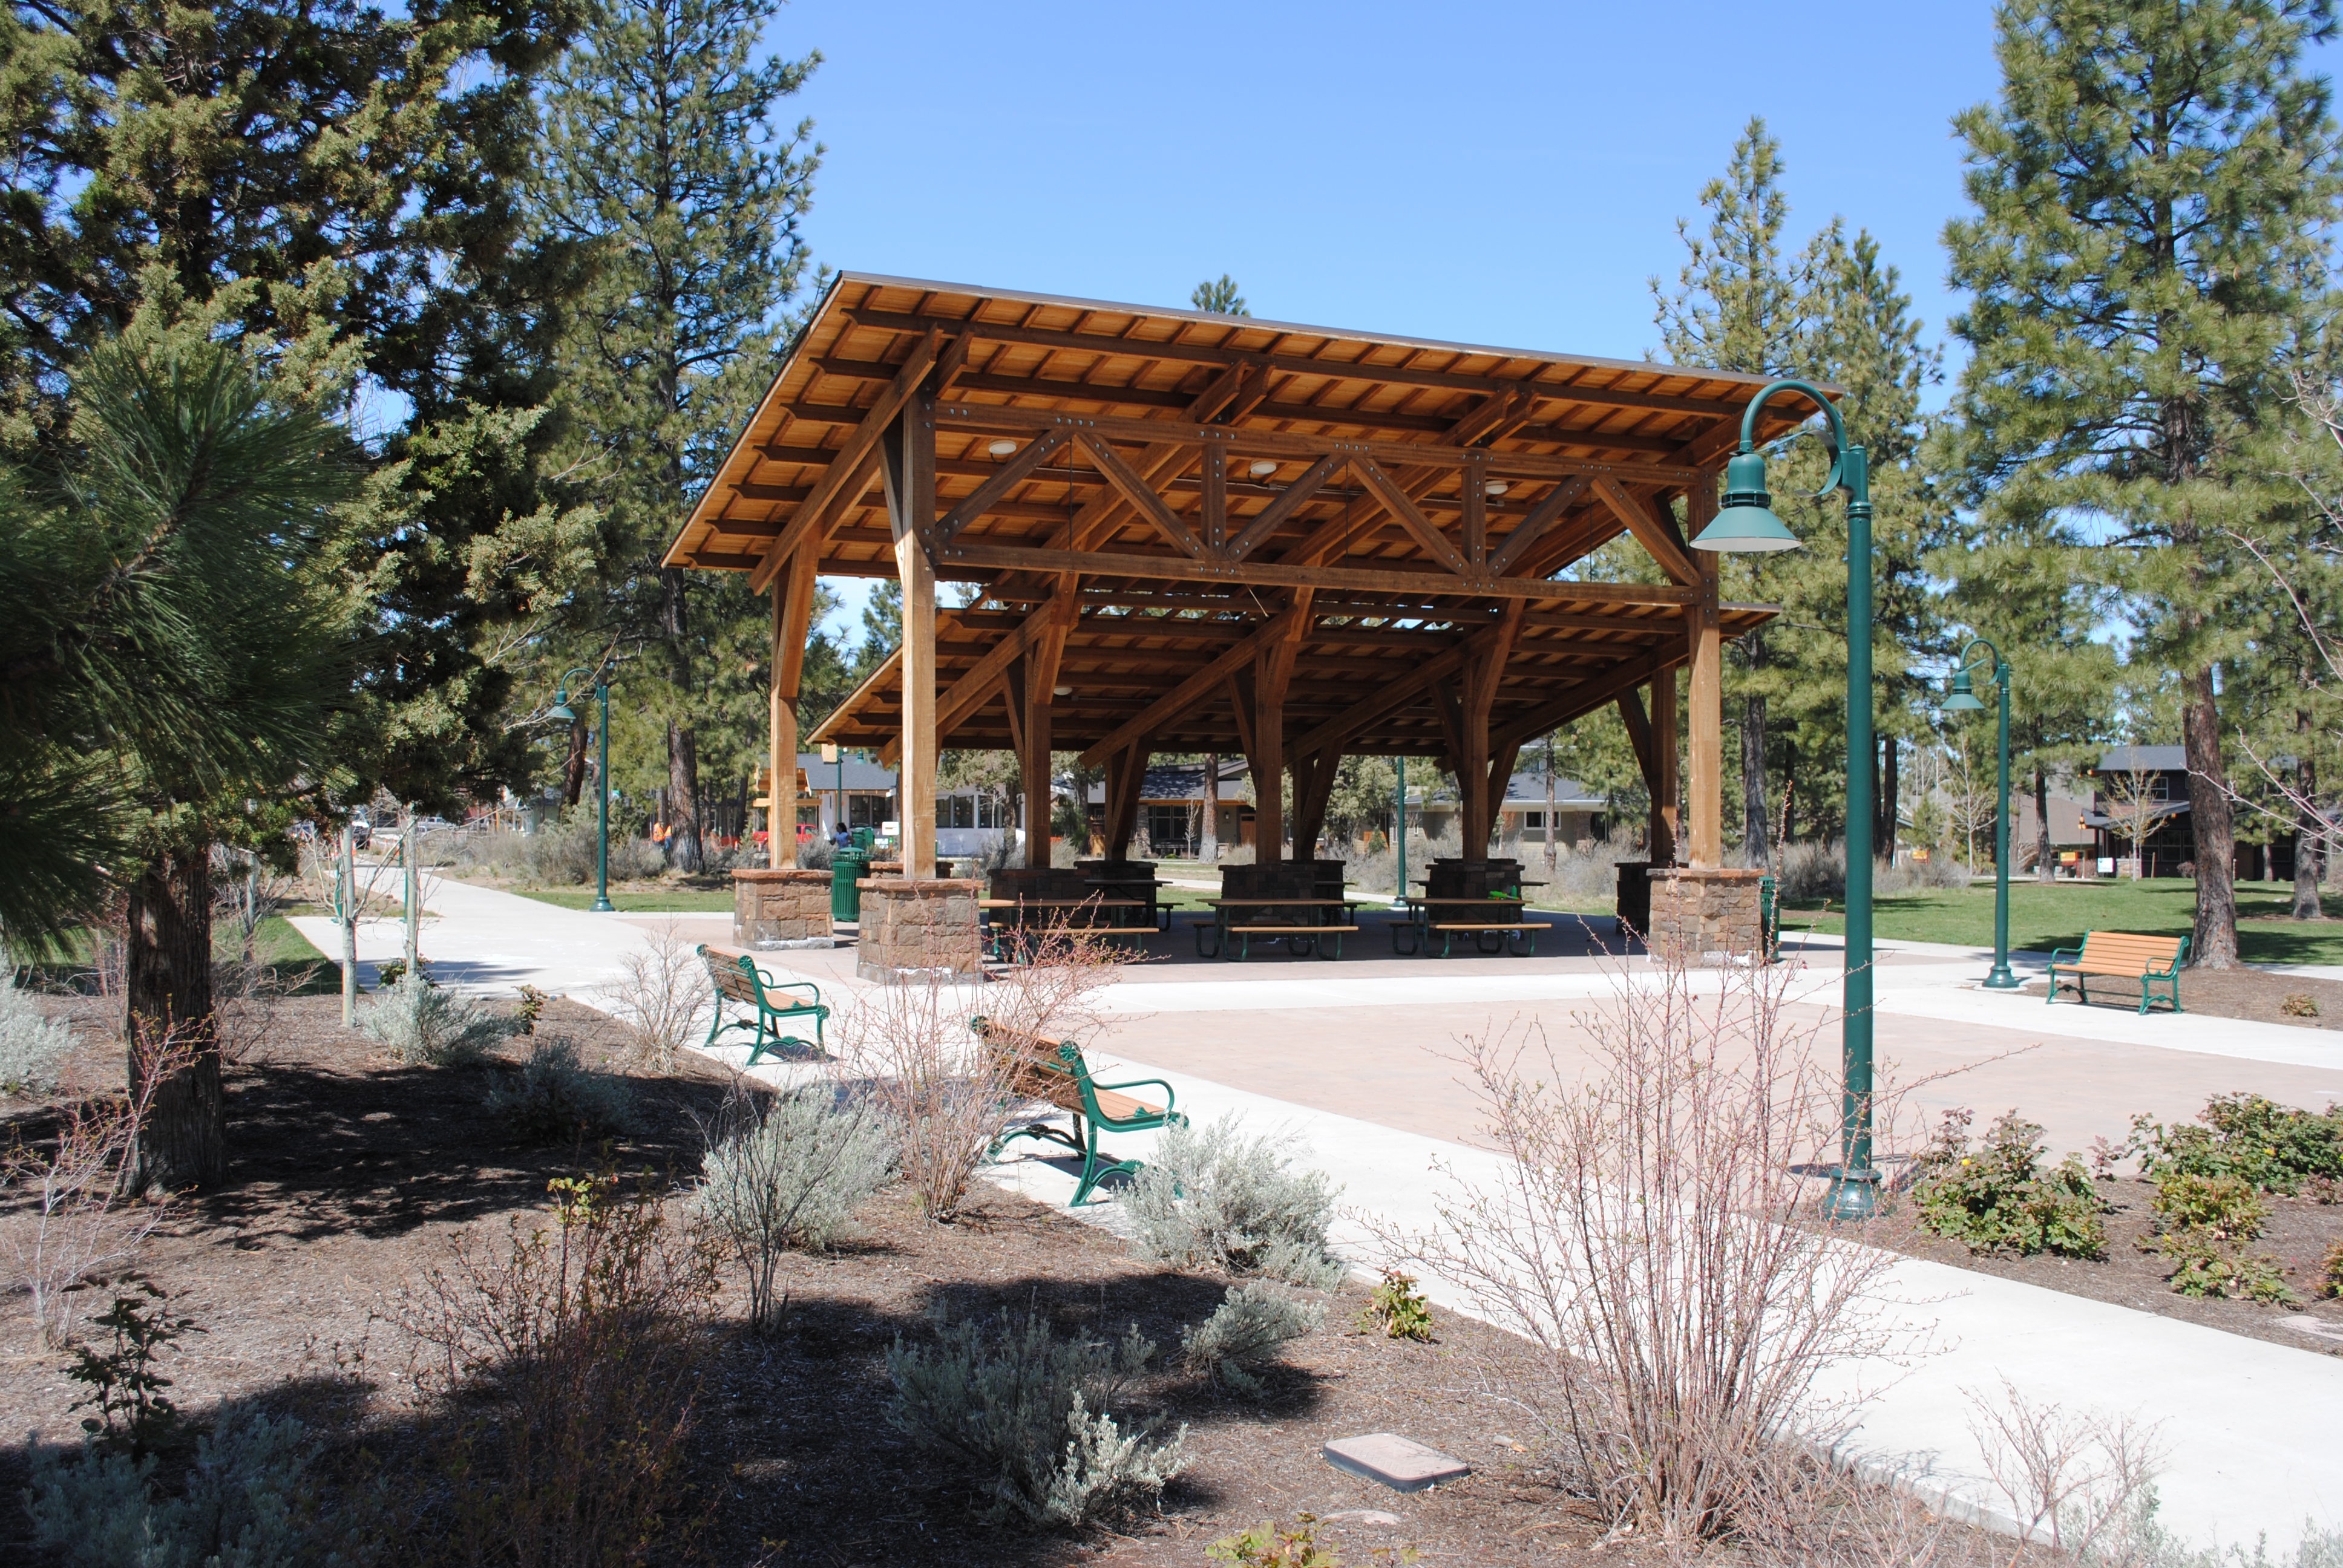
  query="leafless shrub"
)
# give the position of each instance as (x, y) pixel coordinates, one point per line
(70, 1219)
(951, 1098)
(1650, 1234)
(1808, 1513)
(2078, 1482)
(661, 995)
(575, 1349)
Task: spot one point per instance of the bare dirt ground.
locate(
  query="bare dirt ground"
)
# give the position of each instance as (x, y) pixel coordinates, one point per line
(352, 1177)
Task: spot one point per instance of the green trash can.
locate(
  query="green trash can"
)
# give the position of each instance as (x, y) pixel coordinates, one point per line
(845, 867)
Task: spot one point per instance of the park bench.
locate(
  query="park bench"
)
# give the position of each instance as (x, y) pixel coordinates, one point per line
(737, 978)
(2153, 961)
(1511, 934)
(1010, 925)
(1054, 1071)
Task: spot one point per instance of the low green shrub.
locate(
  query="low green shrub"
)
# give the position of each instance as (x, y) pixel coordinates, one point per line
(2227, 1208)
(1997, 1197)
(554, 1095)
(1211, 1198)
(33, 1046)
(1270, 1545)
(1397, 1310)
(2276, 1147)
(790, 1180)
(1245, 1332)
(426, 1025)
(2202, 1225)
(248, 1502)
(2330, 1272)
(1025, 1410)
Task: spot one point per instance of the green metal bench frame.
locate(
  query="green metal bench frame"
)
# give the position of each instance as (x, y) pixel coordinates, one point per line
(739, 980)
(2168, 977)
(1066, 1083)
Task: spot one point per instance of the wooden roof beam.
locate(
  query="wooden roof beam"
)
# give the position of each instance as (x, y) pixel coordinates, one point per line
(1173, 703)
(1657, 534)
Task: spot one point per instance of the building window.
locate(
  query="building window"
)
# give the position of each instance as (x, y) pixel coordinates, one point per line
(865, 810)
(1167, 829)
(1532, 819)
(991, 810)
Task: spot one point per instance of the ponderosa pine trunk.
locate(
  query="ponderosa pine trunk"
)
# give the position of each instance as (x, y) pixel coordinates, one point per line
(2213, 944)
(2044, 871)
(1754, 849)
(2310, 843)
(573, 767)
(167, 985)
(1890, 786)
(682, 743)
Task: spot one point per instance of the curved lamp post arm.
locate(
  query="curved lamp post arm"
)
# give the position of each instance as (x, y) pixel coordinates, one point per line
(1814, 396)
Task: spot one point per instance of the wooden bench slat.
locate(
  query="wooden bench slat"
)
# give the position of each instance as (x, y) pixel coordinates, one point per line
(2154, 961)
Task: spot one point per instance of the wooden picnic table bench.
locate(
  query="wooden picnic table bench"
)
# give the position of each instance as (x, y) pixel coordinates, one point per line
(737, 978)
(1298, 939)
(1000, 935)
(1516, 935)
(1054, 1071)
(2153, 961)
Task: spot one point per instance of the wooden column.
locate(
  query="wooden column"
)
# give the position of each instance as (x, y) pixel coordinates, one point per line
(1313, 786)
(1474, 783)
(1034, 692)
(1664, 832)
(1273, 673)
(1126, 773)
(792, 624)
(1706, 794)
(908, 464)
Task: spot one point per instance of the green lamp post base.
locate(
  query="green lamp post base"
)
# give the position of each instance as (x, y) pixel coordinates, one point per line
(2002, 979)
(1854, 1195)
(604, 907)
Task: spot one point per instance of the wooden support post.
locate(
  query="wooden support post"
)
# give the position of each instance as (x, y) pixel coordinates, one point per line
(908, 464)
(1126, 773)
(1038, 675)
(1662, 835)
(1473, 755)
(1273, 673)
(1502, 762)
(1314, 787)
(792, 623)
(1706, 715)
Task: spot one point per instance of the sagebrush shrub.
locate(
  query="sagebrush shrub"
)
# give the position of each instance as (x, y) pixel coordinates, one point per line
(554, 1095)
(1212, 1198)
(425, 1025)
(248, 1502)
(1026, 1410)
(33, 1046)
(792, 1180)
(1247, 1329)
(1997, 1197)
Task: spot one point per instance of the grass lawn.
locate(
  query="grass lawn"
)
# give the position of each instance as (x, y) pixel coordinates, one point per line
(654, 900)
(2057, 915)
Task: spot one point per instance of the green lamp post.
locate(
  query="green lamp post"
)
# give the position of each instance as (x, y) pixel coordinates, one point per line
(1964, 700)
(1748, 525)
(560, 714)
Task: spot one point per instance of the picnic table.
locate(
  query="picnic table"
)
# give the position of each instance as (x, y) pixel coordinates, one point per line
(1507, 932)
(1324, 918)
(997, 933)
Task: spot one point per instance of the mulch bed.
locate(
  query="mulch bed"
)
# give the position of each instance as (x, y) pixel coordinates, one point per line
(351, 1177)
(2299, 1234)
(2245, 993)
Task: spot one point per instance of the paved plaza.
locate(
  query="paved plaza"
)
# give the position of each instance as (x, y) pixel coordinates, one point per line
(1350, 1057)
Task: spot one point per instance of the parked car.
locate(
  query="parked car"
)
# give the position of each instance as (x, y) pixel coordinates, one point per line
(361, 830)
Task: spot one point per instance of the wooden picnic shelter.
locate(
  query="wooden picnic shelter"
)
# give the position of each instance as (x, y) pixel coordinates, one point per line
(1196, 532)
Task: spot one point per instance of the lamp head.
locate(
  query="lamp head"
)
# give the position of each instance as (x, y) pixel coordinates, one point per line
(1963, 699)
(1747, 525)
(559, 713)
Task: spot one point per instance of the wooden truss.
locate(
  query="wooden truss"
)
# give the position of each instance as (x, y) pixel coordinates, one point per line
(1193, 533)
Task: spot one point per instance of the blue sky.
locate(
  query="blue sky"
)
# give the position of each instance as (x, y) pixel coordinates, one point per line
(1506, 174)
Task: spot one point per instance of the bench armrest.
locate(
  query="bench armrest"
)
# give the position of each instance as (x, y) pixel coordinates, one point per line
(2057, 953)
(770, 983)
(1139, 1083)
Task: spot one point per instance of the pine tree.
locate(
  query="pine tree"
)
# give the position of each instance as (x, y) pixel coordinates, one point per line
(1220, 298)
(2152, 190)
(664, 165)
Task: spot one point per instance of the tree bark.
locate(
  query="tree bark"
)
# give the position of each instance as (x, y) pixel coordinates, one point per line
(2044, 871)
(1890, 757)
(573, 767)
(683, 796)
(167, 985)
(1754, 849)
(1209, 841)
(2213, 942)
(2309, 844)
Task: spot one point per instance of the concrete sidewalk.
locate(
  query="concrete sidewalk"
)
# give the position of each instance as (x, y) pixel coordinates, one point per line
(1347, 1063)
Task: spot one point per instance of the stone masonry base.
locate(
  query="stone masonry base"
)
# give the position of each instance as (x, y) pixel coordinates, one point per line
(781, 909)
(1700, 912)
(913, 929)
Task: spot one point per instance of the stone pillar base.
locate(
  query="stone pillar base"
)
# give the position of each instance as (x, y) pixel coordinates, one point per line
(918, 929)
(781, 907)
(1703, 913)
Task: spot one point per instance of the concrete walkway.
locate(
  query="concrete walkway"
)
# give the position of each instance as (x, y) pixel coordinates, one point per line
(1345, 1057)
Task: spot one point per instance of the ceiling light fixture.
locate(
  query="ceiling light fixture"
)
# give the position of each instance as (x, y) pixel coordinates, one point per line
(1001, 448)
(1261, 470)
(1494, 488)
(1062, 691)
